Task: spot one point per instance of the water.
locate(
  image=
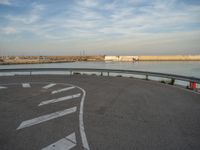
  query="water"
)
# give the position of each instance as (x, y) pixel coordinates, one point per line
(186, 68)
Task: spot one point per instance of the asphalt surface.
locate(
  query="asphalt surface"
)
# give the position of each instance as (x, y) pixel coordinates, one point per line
(118, 113)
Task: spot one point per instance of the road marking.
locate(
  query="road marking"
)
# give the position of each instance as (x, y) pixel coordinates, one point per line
(3, 87)
(81, 124)
(6, 74)
(63, 144)
(59, 99)
(62, 90)
(48, 117)
(49, 86)
(26, 85)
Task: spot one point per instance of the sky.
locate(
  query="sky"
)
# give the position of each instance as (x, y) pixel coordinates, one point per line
(99, 27)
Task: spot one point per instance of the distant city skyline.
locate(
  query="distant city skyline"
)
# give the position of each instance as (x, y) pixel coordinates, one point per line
(99, 27)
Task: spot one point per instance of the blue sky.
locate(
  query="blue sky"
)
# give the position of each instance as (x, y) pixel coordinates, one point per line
(111, 27)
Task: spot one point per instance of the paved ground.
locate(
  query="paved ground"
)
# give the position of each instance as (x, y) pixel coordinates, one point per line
(118, 113)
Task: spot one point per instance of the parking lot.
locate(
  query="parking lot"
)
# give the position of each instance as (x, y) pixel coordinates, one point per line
(95, 112)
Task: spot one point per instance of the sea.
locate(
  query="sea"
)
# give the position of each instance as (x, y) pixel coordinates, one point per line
(186, 68)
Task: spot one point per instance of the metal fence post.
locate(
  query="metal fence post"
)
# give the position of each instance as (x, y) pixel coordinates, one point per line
(172, 81)
(146, 77)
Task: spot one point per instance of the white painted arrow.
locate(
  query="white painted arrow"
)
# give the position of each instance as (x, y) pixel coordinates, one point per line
(49, 86)
(3, 87)
(59, 99)
(44, 118)
(66, 143)
(26, 85)
(62, 90)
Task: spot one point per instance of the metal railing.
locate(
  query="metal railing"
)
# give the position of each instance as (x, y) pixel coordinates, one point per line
(147, 74)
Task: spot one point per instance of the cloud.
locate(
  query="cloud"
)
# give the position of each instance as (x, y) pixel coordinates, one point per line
(30, 17)
(9, 30)
(5, 2)
(99, 20)
(88, 3)
(23, 19)
(109, 23)
(152, 18)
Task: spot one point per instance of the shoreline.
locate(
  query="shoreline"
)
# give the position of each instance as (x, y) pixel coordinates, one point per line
(15, 60)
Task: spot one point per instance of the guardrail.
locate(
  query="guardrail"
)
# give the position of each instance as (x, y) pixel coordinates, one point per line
(173, 77)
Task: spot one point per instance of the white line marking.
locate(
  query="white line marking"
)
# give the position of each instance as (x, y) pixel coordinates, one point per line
(71, 137)
(59, 99)
(7, 74)
(49, 86)
(44, 118)
(63, 144)
(3, 87)
(81, 124)
(26, 85)
(62, 90)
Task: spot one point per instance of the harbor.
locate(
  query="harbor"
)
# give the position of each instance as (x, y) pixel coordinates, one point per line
(99, 75)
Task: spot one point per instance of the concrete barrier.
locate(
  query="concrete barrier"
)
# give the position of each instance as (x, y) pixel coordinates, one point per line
(153, 58)
(121, 58)
(170, 58)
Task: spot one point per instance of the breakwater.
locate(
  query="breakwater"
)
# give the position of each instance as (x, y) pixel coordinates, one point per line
(6, 60)
(153, 58)
(63, 59)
